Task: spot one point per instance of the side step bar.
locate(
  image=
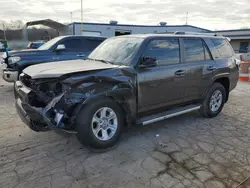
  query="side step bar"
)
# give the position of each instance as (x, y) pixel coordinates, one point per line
(168, 114)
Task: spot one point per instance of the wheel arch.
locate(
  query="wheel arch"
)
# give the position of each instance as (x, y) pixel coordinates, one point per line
(124, 98)
(226, 84)
(223, 80)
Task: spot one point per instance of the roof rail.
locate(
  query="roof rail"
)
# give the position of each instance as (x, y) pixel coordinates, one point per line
(194, 33)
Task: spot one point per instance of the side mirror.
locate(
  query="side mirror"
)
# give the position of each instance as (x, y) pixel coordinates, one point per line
(148, 62)
(60, 47)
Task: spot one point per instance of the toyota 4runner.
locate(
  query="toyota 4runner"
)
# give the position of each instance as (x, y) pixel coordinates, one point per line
(127, 80)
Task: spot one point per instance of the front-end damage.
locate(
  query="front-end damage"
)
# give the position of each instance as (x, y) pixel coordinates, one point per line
(55, 103)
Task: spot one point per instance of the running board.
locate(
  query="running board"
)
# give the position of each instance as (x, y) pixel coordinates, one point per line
(167, 114)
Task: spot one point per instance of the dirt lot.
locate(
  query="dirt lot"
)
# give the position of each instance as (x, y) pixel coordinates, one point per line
(187, 151)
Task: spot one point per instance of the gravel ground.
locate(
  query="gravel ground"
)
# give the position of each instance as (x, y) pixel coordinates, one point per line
(186, 151)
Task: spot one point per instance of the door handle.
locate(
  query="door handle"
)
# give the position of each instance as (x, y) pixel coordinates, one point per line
(153, 85)
(55, 58)
(180, 73)
(211, 68)
(80, 55)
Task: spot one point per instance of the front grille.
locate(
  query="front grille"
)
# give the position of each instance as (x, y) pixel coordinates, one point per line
(40, 95)
(25, 79)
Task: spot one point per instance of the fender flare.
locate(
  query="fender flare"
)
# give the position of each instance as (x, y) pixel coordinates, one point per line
(125, 97)
(216, 77)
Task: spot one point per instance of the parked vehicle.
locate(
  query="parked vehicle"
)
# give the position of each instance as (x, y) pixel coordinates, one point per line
(3, 45)
(127, 80)
(35, 45)
(58, 49)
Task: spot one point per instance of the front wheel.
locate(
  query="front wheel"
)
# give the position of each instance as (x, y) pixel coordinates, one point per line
(99, 124)
(214, 101)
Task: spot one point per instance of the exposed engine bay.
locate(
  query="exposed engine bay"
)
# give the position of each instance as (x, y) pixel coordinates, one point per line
(54, 102)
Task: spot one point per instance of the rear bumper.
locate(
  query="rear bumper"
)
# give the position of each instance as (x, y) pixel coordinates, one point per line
(234, 80)
(37, 118)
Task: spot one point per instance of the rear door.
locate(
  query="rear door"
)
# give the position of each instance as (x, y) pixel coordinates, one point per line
(199, 67)
(164, 84)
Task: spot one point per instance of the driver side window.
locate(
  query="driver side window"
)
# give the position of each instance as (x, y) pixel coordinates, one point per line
(73, 45)
(165, 51)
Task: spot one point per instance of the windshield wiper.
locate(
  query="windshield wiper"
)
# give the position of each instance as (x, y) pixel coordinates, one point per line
(101, 60)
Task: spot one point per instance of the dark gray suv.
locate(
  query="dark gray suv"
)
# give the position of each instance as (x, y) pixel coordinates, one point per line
(127, 80)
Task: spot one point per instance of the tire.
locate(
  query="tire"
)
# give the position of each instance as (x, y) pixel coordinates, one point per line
(209, 111)
(86, 124)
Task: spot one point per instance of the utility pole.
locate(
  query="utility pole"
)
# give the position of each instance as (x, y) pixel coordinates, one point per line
(4, 32)
(187, 18)
(70, 17)
(81, 17)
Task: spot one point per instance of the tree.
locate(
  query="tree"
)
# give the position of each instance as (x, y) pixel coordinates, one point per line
(3, 24)
(17, 24)
(12, 25)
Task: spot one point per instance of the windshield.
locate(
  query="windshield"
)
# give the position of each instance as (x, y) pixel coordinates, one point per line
(49, 44)
(117, 51)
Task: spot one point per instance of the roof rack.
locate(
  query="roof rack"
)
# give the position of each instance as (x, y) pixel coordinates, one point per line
(194, 33)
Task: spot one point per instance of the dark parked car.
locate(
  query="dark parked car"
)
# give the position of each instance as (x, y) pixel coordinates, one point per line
(35, 45)
(57, 49)
(136, 79)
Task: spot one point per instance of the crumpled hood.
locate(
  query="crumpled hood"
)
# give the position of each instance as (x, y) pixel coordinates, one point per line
(57, 69)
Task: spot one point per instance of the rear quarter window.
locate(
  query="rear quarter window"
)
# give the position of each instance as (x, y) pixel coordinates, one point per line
(223, 47)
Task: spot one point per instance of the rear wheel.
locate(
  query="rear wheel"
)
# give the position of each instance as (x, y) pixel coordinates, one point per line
(99, 124)
(214, 101)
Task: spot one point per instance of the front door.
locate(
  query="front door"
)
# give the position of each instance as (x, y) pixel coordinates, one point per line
(163, 84)
(73, 50)
(199, 67)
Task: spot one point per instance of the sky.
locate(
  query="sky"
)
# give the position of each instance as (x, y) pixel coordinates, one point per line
(209, 14)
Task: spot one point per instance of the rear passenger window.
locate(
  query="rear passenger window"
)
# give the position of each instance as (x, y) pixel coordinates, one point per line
(195, 50)
(165, 51)
(223, 48)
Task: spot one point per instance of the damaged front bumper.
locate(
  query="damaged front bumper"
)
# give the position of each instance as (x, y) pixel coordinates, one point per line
(39, 118)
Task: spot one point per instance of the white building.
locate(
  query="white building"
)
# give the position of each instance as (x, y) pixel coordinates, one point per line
(115, 29)
(240, 39)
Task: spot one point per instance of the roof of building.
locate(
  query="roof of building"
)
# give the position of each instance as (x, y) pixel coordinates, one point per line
(171, 35)
(48, 23)
(237, 35)
(232, 30)
(131, 25)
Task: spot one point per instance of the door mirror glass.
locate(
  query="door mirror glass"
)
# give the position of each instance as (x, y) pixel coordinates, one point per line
(148, 62)
(60, 47)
